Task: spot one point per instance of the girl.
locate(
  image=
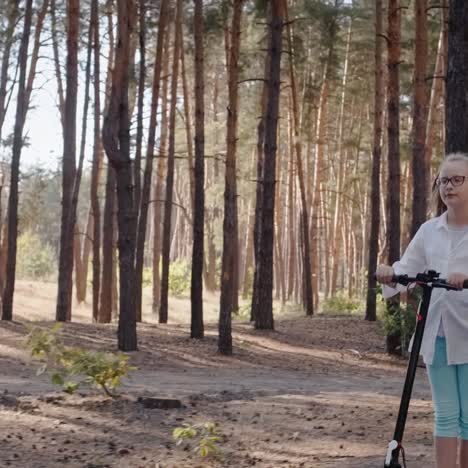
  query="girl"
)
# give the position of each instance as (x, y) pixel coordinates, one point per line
(441, 244)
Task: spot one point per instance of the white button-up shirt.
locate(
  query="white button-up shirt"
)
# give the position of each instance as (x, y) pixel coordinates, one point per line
(431, 249)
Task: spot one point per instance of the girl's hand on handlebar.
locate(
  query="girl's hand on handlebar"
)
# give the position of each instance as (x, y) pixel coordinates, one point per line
(385, 275)
(457, 279)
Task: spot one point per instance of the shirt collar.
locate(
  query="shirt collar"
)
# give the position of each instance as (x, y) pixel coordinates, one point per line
(442, 221)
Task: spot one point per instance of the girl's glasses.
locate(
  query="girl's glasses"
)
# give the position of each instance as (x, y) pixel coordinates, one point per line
(455, 180)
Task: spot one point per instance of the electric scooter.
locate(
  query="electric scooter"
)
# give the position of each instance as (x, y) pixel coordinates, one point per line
(428, 281)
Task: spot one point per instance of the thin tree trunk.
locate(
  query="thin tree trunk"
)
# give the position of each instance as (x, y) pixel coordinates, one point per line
(140, 106)
(64, 295)
(13, 12)
(146, 193)
(419, 160)
(167, 224)
(196, 296)
(116, 140)
(342, 160)
(393, 130)
(21, 106)
(308, 286)
(80, 279)
(97, 167)
(437, 90)
(58, 72)
(264, 315)
(230, 192)
(159, 180)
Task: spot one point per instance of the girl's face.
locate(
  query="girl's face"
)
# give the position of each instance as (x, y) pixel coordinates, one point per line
(453, 184)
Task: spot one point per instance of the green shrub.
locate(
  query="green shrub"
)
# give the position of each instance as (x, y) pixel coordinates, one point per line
(205, 437)
(402, 321)
(71, 367)
(35, 259)
(179, 277)
(341, 303)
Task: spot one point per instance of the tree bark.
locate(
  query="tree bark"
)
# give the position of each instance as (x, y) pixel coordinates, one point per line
(65, 285)
(196, 292)
(308, 286)
(166, 244)
(116, 140)
(393, 130)
(21, 107)
(264, 315)
(456, 107)
(230, 192)
(419, 160)
(146, 192)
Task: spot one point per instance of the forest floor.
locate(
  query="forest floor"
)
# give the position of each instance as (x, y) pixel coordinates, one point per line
(317, 392)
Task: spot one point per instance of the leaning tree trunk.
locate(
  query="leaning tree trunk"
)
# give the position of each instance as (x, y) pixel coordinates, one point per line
(64, 295)
(21, 105)
(196, 289)
(230, 192)
(116, 140)
(264, 315)
(393, 185)
(166, 243)
(456, 108)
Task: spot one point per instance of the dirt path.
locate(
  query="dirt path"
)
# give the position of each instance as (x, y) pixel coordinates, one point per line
(315, 393)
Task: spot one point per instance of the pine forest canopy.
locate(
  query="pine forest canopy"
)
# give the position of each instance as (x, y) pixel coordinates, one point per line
(241, 147)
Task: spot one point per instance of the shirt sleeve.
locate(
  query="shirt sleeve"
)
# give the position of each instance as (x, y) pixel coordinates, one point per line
(412, 262)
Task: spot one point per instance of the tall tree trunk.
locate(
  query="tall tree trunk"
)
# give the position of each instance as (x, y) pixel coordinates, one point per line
(58, 71)
(376, 161)
(35, 50)
(419, 160)
(97, 166)
(140, 106)
(159, 178)
(188, 120)
(308, 287)
(79, 238)
(105, 309)
(145, 195)
(166, 244)
(437, 90)
(107, 295)
(393, 130)
(456, 106)
(319, 174)
(259, 182)
(342, 159)
(264, 315)
(13, 12)
(116, 140)
(230, 191)
(64, 295)
(196, 292)
(21, 106)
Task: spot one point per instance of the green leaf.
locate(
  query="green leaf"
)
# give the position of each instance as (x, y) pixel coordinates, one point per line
(57, 379)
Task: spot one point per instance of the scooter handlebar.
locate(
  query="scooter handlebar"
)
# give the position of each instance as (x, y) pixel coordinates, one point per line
(422, 278)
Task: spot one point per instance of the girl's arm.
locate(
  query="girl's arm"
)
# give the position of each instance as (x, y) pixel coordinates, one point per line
(412, 262)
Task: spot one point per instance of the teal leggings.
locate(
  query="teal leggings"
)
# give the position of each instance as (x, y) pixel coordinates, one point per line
(449, 385)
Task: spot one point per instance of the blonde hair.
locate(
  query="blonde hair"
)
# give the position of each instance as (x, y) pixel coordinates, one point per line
(439, 205)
